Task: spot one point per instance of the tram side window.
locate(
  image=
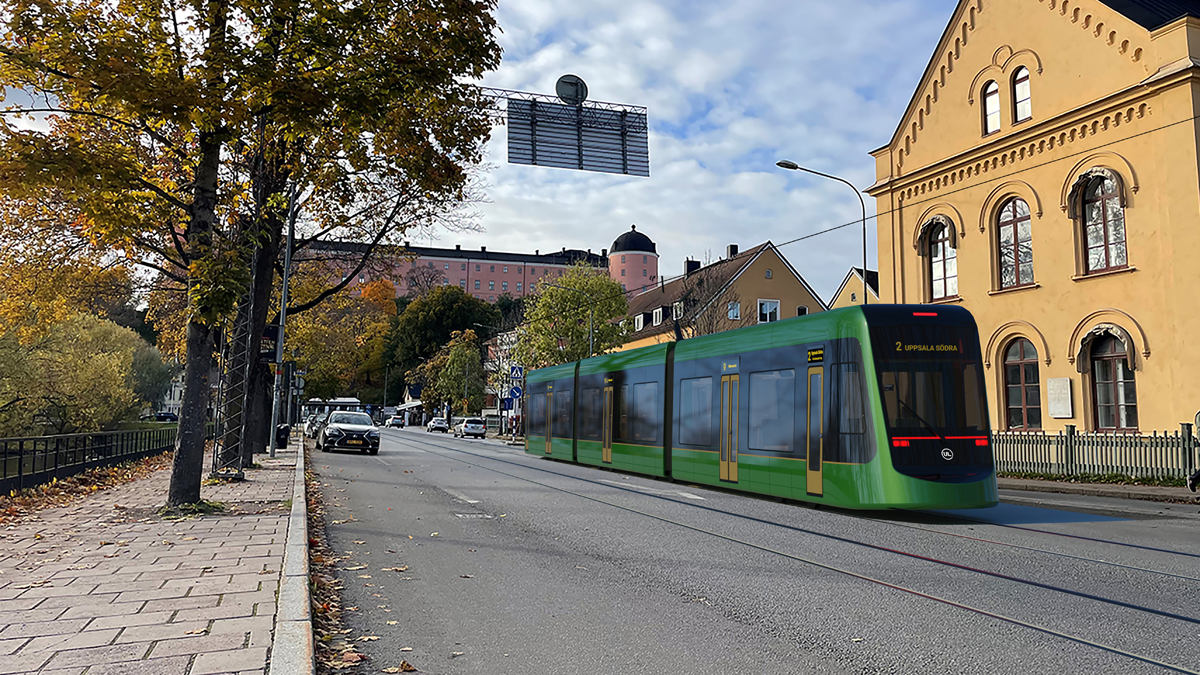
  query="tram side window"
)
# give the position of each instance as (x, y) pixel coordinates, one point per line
(645, 401)
(562, 414)
(695, 411)
(851, 417)
(589, 426)
(537, 414)
(623, 412)
(773, 410)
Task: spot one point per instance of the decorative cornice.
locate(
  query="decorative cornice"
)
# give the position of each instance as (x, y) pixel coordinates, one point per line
(1087, 324)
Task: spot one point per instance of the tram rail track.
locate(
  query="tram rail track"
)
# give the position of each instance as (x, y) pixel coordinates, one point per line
(425, 446)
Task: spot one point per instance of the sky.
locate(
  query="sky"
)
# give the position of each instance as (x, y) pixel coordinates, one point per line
(731, 86)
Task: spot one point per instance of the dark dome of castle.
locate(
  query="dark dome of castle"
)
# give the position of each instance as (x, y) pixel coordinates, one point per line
(633, 241)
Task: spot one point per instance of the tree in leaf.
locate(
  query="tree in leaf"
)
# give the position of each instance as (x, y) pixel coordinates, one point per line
(455, 375)
(176, 126)
(557, 318)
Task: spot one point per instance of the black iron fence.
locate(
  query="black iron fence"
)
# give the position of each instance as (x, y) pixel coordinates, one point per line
(26, 462)
(1156, 455)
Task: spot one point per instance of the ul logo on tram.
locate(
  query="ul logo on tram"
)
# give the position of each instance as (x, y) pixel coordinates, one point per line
(947, 454)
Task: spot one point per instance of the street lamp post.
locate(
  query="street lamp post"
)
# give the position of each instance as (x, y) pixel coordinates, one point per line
(788, 164)
(591, 312)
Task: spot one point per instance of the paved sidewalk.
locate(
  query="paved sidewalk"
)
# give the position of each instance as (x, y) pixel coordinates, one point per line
(106, 587)
(1145, 492)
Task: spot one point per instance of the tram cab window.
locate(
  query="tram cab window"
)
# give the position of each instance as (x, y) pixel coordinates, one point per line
(773, 410)
(851, 421)
(695, 411)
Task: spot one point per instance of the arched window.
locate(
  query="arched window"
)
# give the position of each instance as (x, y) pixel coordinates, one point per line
(943, 265)
(1104, 225)
(1015, 244)
(1022, 103)
(1022, 393)
(991, 107)
(1113, 388)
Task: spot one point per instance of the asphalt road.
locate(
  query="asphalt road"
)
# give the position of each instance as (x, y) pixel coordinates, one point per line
(472, 557)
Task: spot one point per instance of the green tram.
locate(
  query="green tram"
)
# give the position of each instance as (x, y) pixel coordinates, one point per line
(866, 407)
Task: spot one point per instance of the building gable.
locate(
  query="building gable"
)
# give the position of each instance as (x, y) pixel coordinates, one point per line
(988, 42)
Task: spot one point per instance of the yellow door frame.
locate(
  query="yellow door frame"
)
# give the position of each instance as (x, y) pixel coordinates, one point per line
(549, 421)
(606, 435)
(729, 428)
(816, 458)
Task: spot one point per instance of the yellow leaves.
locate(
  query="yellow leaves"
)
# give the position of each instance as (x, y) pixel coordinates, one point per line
(404, 667)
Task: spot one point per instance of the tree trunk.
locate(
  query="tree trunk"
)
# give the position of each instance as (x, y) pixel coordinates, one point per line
(258, 386)
(187, 468)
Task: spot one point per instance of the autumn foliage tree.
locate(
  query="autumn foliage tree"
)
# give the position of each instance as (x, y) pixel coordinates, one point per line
(176, 127)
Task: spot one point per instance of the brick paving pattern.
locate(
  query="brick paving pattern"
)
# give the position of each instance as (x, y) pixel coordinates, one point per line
(106, 587)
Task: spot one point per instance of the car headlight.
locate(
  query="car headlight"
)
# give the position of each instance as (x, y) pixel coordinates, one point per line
(374, 433)
(333, 431)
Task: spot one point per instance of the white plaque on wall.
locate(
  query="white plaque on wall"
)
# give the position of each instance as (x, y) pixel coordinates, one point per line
(1058, 391)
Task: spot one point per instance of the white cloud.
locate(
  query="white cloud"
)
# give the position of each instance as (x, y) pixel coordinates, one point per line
(731, 86)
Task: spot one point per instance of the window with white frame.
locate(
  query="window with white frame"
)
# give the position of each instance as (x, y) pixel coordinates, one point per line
(491, 285)
(446, 266)
(637, 322)
(735, 311)
(801, 310)
(677, 310)
(768, 311)
(518, 287)
(769, 273)
(504, 285)
(1022, 108)
(506, 269)
(658, 316)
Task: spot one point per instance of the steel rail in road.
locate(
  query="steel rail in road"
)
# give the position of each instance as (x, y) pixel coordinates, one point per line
(832, 568)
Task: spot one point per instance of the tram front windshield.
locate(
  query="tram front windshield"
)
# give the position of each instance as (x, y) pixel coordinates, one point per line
(931, 385)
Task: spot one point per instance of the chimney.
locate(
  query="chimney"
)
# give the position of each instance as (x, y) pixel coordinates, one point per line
(731, 250)
(483, 249)
(690, 266)
(458, 247)
(536, 252)
(603, 253)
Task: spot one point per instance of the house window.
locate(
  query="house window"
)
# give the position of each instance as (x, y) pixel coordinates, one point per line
(853, 297)
(464, 267)
(768, 273)
(638, 322)
(491, 285)
(622, 271)
(518, 270)
(506, 269)
(493, 268)
(518, 287)
(645, 259)
(943, 265)
(1021, 386)
(1016, 244)
(801, 310)
(447, 265)
(362, 279)
(462, 283)
(991, 107)
(768, 311)
(476, 284)
(643, 272)
(622, 260)
(445, 281)
(1104, 225)
(504, 285)
(677, 310)
(735, 311)
(491, 298)
(658, 313)
(532, 288)
(477, 268)
(1113, 387)
(1022, 108)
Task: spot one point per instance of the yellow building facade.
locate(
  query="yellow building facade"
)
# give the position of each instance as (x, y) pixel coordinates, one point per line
(1046, 176)
(851, 291)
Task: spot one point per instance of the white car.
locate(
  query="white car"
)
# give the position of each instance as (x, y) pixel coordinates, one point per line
(437, 424)
(472, 426)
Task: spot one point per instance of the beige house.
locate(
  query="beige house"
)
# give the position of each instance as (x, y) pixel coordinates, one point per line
(851, 291)
(745, 288)
(1046, 176)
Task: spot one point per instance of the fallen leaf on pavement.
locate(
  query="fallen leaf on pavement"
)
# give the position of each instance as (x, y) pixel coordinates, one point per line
(406, 649)
(467, 576)
(434, 534)
(403, 568)
(456, 654)
(393, 623)
(368, 638)
(198, 631)
(364, 576)
(359, 541)
(355, 568)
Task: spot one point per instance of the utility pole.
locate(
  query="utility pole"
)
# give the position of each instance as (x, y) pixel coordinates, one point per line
(283, 303)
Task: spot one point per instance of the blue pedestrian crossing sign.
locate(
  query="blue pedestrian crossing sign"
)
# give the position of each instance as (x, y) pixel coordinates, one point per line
(516, 372)
(515, 392)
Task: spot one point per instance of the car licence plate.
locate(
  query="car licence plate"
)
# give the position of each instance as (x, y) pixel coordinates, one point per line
(354, 442)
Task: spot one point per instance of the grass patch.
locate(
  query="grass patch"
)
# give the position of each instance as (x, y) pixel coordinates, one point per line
(286, 504)
(185, 511)
(1105, 478)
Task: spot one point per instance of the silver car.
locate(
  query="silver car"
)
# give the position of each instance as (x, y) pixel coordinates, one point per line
(472, 426)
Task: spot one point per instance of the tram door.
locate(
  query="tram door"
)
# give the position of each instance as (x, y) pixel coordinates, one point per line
(816, 429)
(549, 420)
(729, 428)
(606, 433)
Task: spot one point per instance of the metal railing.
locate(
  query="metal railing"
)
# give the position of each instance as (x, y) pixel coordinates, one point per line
(1158, 455)
(27, 462)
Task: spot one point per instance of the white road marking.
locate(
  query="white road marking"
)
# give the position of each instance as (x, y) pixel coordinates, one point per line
(643, 488)
(383, 461)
